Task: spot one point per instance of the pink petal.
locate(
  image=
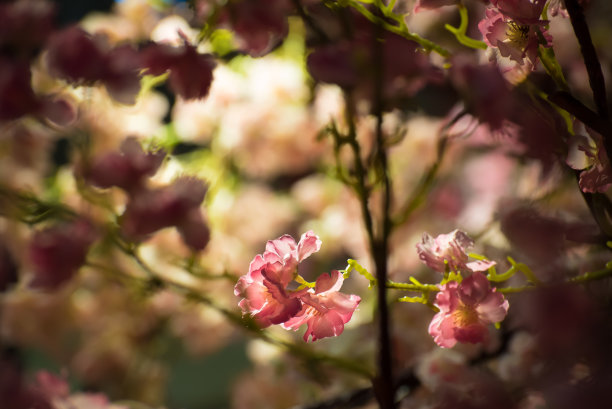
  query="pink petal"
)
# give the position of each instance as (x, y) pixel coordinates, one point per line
(480, 265)
(329, 282)
(309, 243)
(493, 308)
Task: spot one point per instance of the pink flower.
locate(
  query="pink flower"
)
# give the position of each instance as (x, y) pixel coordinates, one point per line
(516, 33)
(57, 252)
(264, 287)
(191, 73)
(126, 169)
(325, 310)
(465, 311)
(264, 292)
(449, 249)
(521, 11)
(78, 57)
(596, 175)
(175, 205)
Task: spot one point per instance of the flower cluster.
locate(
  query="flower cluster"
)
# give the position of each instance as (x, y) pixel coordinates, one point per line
(267, 298)
(466, 307)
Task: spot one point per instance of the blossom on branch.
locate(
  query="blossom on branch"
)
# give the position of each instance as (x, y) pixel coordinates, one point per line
(268, 300)
(449, 250)
(264, 287)
(466, 310)
(514, 27)
(325, 309)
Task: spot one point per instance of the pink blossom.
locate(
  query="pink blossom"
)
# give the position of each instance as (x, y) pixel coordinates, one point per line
(325, 310)
(465, 311)
(521, 11)
(596, 175)
(449, 249)
(260, 25)
(516, 34)
(78, 57)
(264, 292)
(191, 73)
(264, 287)
(57, 252)
(126, 169)
(175, 205)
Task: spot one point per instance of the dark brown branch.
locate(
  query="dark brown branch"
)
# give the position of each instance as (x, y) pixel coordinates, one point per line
(593, 67)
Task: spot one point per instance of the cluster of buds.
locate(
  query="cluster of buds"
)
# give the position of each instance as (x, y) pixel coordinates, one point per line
(267, 298)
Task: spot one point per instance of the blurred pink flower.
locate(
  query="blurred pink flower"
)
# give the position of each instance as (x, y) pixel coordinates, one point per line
(57, 252)
(191, 73)
(449, 249)
(325, 310)
(465, 311)
(78, 57)
(126, 169)
(175, 205)
(260, 25)
(263, 288)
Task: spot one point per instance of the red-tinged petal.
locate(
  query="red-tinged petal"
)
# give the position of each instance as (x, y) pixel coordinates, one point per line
(441, 329)
(493, 308)
(285, 247)
(473, 334)
(329, 282)
(474, 289)
(480, 265)
(327, 325)
(309, 244)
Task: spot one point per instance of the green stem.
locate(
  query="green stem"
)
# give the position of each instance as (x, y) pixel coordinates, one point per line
(401, 29)
(460, 32)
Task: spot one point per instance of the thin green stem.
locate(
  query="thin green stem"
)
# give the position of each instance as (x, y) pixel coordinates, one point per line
(460, 32)
(401, 29)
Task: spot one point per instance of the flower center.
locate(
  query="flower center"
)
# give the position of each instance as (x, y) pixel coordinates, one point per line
(518, 34)
(464, 316)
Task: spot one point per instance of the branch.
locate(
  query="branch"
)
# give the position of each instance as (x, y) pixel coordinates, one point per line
(596, 78)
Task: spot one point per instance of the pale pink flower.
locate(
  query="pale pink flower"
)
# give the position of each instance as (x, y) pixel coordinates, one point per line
(449, 249)
(596, 175)
(466, 310)
(264, 292)
(264, 287)
(325, 310)
(515, 32)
